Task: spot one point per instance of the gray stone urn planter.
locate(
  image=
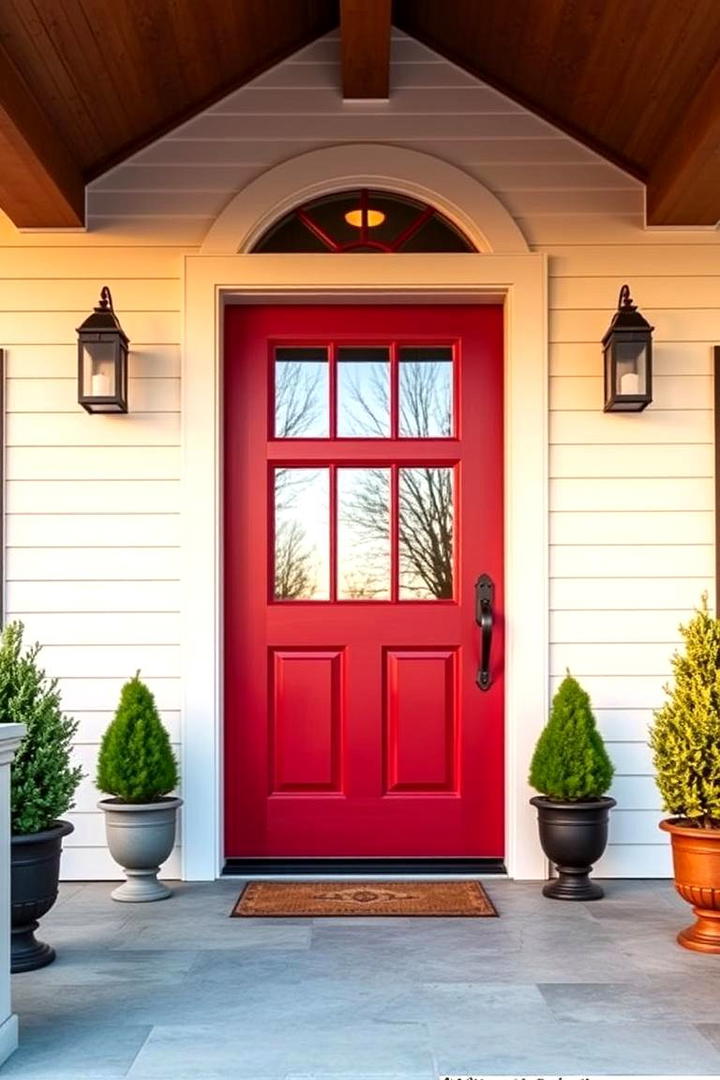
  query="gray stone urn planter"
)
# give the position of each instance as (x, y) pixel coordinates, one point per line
(140, 837)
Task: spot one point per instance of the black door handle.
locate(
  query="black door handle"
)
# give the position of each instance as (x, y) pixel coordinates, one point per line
(484, 597)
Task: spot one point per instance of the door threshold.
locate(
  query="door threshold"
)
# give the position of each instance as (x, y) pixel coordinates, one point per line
(364, 868)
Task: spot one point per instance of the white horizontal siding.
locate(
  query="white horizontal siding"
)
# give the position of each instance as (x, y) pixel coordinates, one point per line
(650, 460)
(669, 358)
(585, 392)
(78, 429)
(87, 596)
(93, 560)
(82, 629)
(624, 725)
(60, 361)
(95, 530)
(100, 463)
(147, 395)
(631, 560)
(92, 564)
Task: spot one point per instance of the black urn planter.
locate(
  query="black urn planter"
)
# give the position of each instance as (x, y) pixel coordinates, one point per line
(573, 835)
(34, 875)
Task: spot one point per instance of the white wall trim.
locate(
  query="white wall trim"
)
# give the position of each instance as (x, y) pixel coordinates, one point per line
(211, 280)
(464, 200)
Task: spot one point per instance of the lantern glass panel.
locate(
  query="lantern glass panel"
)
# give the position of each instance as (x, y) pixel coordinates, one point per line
(630, 368)
(99, 369)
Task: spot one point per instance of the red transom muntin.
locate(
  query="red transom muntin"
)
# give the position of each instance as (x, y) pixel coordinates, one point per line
(363, 220)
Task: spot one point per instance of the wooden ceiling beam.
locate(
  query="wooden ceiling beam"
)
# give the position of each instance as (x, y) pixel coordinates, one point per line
(365, 48)
(41, 186)
(684, 184)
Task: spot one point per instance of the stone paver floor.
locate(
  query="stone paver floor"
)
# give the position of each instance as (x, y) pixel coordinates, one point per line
(177, 990)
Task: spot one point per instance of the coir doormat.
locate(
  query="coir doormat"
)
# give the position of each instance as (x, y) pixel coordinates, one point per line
(316, 898)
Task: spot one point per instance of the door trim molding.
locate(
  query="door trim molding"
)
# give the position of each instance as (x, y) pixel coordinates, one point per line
(517, 280)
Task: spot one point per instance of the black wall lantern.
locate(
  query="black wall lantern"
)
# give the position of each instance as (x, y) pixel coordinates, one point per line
(627, 348)
(102, 360)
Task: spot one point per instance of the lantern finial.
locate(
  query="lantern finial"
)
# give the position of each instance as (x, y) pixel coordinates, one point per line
(625, 301)
(105, 300)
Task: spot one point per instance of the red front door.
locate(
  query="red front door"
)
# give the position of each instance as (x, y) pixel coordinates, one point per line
(363, 499)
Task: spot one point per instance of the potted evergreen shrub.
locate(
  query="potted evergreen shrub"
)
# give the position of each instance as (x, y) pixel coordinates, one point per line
(43, 784)
(137, 768)
(572, 770)
(685, 738)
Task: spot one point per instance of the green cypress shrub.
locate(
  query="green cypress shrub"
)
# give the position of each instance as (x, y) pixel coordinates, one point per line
(570, 759)
(136, 762)
(43, 781)
(685, 733)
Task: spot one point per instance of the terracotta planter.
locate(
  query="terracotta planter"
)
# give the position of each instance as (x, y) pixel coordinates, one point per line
(696, 865)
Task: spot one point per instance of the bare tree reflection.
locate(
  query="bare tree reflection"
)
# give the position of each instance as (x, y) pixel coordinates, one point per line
(426, 399)
(425, 495)
(298, 405)
(293, 563)
(425, 513)
(426, 532)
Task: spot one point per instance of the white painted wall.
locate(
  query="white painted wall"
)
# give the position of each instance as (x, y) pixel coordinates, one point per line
(93, 560)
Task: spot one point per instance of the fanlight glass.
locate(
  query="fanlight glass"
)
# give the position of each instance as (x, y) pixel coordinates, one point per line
(360, 221)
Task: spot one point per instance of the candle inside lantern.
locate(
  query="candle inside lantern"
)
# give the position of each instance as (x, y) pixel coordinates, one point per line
(630, 383)
(100, 385)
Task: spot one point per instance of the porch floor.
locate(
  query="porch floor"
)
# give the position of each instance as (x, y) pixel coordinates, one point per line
(178, 990)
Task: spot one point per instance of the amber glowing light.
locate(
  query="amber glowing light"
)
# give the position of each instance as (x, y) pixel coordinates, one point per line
(374, 218)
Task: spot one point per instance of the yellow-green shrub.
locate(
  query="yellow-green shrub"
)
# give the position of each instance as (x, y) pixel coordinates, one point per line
(685, 733)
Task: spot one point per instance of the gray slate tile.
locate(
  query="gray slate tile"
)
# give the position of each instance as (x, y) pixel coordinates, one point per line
(177, 1053)
(76, 1052)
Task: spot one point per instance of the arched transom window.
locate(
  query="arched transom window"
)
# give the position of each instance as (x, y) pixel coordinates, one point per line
(363, 220)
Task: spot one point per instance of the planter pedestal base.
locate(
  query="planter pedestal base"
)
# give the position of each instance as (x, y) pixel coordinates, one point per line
(141, 886)
(26, 952)
(573, 883)
(704, 935)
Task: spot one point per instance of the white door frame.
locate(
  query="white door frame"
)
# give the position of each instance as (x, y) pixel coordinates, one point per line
(220, 275)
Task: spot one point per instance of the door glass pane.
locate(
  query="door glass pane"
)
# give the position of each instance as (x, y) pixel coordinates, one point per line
(301, 394)
(426, 393)
(302, 530)
(425, 533)
(363, 377)
(363, 534)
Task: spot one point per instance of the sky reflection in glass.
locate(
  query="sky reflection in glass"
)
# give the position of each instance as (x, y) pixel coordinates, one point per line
(363, 388)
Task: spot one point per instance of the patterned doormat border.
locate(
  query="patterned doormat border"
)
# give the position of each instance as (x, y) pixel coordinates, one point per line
(277, 899)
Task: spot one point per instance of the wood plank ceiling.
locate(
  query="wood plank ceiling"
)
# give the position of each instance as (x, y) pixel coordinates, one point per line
(84, 83)
(637, 80)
